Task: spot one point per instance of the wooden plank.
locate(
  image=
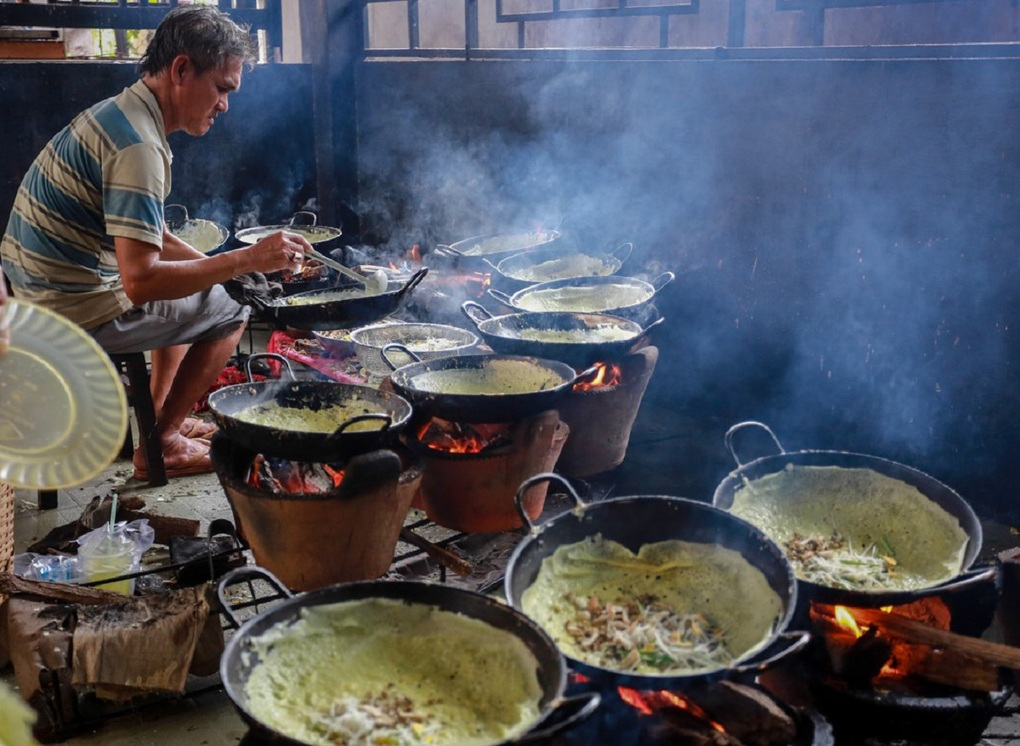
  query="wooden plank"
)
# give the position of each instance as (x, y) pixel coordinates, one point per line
(32, 50)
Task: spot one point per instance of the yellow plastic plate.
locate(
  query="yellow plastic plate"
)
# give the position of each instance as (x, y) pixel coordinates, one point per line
(63, 413)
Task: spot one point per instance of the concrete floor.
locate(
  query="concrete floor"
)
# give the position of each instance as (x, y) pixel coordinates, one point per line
(670, 453)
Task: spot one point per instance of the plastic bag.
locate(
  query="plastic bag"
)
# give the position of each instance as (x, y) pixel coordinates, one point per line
(139, 534)
(109, 553)
(56, 568)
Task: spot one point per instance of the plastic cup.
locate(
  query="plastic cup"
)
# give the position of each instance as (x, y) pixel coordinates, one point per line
(108, 558)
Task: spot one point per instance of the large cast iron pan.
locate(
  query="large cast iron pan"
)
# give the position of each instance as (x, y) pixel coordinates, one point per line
(504, 334)
(517, 271)
(643, 519)
(240, 657)
(928, 486)
(226, 403)
(337, 308)
(594, 288)
(426, 384)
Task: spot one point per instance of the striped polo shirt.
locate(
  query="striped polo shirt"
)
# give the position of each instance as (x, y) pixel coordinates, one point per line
(105, 174)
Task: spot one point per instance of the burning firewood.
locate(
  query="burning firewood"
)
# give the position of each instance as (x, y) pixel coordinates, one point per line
(873, 646)
(748, 714)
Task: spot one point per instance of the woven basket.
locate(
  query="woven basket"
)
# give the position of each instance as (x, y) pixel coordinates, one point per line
(6, 526)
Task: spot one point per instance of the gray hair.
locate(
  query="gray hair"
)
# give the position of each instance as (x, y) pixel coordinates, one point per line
(206, 34)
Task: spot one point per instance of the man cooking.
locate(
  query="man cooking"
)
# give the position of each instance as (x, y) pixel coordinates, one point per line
(87, 238)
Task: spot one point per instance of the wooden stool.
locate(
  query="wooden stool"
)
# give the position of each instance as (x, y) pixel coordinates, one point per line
(134, 374)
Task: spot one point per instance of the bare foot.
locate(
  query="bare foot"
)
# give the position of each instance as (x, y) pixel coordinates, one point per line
(181, 457)
(197, 429)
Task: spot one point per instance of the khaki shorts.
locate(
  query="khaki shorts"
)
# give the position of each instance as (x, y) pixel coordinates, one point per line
(201, 317)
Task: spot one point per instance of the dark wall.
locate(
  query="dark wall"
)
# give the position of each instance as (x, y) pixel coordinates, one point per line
(255, 165)
(845, 233)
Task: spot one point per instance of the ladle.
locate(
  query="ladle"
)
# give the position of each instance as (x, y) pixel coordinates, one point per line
(374, 282)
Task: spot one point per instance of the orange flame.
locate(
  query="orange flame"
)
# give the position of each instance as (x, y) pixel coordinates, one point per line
(609, 374)
(648, 702)
(415, 253)
(845, 620)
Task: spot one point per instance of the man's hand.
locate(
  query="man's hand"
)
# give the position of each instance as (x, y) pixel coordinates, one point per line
(278, 251)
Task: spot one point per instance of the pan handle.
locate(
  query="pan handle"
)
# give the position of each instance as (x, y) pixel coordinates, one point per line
(567, 713)
(447, 250)
(363, 418)
(242, 575)
(272, 355)
(789, 643)
(622, 252)
(175, 221)
(401, 348)
(652, 325)
(476, 312)
(501, 297)
(586, 376)
(662, 281)
(294, 217)
(415, 279)
(546, 476)
(728, 438)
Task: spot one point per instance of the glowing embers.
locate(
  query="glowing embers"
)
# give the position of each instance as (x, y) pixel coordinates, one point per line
(459, 437)
(281, 475)
(726, 713)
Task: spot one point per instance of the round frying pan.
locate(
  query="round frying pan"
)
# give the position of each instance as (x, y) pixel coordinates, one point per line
(482, 388)
(643, 519)
(928, 486)
(241, 655)
(518, 271)
(478, 251)
(587, 295)
(580, 344)
(337, 308)
(389, 410)
(202, 235)
(303, 223)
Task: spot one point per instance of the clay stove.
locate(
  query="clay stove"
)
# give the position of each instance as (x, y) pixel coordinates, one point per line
(310, 539)
(471, 472)
(601, 414)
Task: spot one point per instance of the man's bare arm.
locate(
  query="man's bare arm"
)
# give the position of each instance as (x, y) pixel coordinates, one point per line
(149, 276)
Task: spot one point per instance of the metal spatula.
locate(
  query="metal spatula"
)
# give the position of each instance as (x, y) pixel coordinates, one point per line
(374, 282)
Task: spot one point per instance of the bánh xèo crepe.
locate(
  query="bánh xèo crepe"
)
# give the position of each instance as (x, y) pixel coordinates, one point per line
(324, 419)
(583, 299)
(854, 528)
(380, 671)
(689, 607)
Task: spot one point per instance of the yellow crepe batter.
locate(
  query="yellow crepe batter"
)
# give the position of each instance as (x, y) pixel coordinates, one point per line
(729, 599)
(307, 420)
(457, 679)
(854, 528)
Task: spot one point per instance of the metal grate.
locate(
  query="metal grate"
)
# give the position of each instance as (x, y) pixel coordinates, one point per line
(135, 14)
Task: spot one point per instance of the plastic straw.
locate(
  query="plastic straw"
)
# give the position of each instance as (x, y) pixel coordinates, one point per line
(113, 513)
